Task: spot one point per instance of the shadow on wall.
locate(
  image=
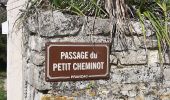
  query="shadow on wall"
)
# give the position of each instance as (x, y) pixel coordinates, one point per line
(3, 52)
(2, 65)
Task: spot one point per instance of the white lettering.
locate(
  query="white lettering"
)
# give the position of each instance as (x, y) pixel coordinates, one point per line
(54, 66)
(74, 55)
(74, 66)
(88, 66)
(62, 55)
(61, 66)
(78, 66)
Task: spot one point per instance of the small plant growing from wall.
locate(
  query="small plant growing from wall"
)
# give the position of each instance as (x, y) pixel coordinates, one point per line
(157, 14)
(81, 7)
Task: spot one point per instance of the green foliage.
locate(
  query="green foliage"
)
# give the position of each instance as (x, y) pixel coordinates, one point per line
(158, 17)
(91, 85)
(3, 95)
(81, 7)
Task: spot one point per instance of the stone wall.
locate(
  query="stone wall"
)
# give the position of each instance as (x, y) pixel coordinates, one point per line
(135, 72)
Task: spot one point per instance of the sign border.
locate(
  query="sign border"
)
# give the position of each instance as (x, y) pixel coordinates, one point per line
(48, 78)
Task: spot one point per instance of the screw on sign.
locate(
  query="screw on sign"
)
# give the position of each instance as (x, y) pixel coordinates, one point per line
(76, 61)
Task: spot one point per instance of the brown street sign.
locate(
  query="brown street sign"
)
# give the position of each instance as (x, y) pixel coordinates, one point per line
(76, 61)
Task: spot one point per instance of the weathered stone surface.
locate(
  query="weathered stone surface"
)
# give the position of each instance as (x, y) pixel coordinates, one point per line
(167, 58)
(125, 75)
(113, 59)
(150, 42)
(37, 43)
(37, 58)
(136, 29)
(35, 77)
(153, 57)
(31, 90)
(166, 73)
(132, 57)
(135, 74)
(97, 26)
(87, 39)
(55, 23)
(126, 43)
(134, 43)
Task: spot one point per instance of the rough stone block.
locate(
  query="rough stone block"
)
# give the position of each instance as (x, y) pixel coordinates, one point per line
(37, 43)
(153, 57)
(113, 59)
(135, 74)
(55, 23)
(166, 72)
(35, 76)
(167, 58)
(31, 93)
(52, 24)
(134, 43)
(136, 29)
(132, 57)
(150, 42)
(37, 58)
(126, 43)
(97, 26)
